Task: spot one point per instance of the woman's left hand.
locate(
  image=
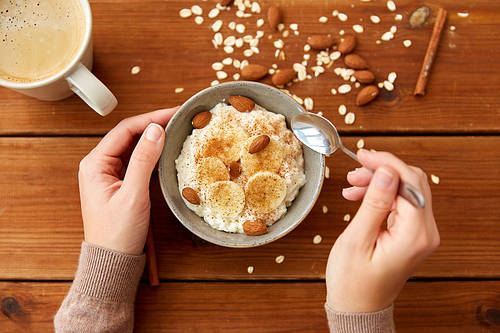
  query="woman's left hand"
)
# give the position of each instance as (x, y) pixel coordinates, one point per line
(115, 197)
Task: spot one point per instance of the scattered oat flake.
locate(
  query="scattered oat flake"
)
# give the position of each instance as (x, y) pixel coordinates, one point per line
(236, 76)
(349, 118)
(279, 259)
(360, 144)
(388, 86)
(250, 269)
(216, 26)
(135, 70)
(214, 83)
(392, 77)
(221, 75)
(333, 91)
(309, 103)
(185, 13)
(452, 28)
(347, 217)
(387, 36)
(324, 209)
(398, 17)
(343, 17)
(255, 7)
(380, 85)
(281, 26)
(196, 10)
(279, 44)
(394, 29)
(463, 14)
(323, 19)
(178, 90)
(294, 26)
(391, 5)
(434, 179)
(198, 20)
(317, 239)
(341, 32)
(335, 13)
(407, 43)
(344, 89)
(375, 19)
(228, 49)
(327, 172)
(213, 13)
(342, 110)
(358, 28)
(260, 23)
(240, 28)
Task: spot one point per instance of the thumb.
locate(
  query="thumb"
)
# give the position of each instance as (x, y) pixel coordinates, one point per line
(144, 158)
(376, 204)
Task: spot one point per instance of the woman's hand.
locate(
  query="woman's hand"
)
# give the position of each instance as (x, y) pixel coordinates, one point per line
(115, 198)
(369, 265)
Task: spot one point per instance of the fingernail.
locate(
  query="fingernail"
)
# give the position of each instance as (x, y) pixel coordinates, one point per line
(347, 190)
(383, 178)
(153, 132)
(353, 171)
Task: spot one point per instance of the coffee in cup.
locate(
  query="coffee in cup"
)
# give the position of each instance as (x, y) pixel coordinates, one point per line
(38, 38)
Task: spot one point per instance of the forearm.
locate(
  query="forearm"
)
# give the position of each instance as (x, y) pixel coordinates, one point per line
(371, 322)
(102, 295)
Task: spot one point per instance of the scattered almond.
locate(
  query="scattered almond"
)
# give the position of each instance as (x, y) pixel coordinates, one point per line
(279, 259)
(254, 228)
(320, 42)
(191, 196)
(354, 61)
(235, 169)
(241, 103)
(201, 119)
(364, 76)
(253, 72)
(348, 44)
(274, 17)
(366, 95)
(259, 143)
(283, 76)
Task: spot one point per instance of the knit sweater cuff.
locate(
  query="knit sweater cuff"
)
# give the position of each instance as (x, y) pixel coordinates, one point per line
(370, 322)
(108, 275)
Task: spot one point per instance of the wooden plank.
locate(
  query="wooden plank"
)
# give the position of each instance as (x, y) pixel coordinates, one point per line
(472, 306)
(173, 52)
(41, 230)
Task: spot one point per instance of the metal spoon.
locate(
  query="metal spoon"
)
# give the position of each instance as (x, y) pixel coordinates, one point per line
(320, 135)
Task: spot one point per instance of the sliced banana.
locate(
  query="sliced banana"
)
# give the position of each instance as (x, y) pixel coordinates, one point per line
(264, 192)
(211, 170)
(268, 159)
(225, 199)
(223, 142)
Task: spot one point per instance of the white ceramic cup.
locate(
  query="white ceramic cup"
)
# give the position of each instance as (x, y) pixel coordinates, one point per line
(74, 78)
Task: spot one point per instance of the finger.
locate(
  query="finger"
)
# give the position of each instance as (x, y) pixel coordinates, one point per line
(360, 177)
(354, 193)
(374, 160)
(376, 204)
(121, 136)
(143, 159)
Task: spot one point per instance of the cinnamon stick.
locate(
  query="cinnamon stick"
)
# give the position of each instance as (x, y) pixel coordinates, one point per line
(431, 53)
(152, 262)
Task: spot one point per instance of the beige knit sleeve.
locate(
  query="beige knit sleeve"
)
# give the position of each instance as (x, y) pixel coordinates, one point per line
(101, 298)
(372, 322)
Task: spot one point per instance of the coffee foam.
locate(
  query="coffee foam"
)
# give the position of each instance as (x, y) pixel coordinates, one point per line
(38, 39)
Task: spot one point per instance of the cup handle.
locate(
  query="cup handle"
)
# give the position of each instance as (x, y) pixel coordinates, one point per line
(91, 90)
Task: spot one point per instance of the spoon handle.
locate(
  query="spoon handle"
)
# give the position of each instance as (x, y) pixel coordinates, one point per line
(407, 191)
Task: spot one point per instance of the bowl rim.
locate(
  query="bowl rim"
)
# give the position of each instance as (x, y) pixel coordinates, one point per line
(177, 214)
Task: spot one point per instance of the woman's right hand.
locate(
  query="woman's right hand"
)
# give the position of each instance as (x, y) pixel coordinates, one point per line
(369, 264)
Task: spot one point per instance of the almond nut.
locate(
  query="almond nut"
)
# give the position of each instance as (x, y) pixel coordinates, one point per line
(348, 44)
(364, 76)
(354, 61)
(366, 95)
(320, 42)
(254, 228)
(241, 103)
(235, 169)
(201, 119)
(259, 143)
(283, 76)
(274, 16)
(190, 195)
(253, 72)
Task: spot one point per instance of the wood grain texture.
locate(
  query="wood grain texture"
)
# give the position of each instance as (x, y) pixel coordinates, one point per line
(462, 94)
(41, 228)
(442, 307)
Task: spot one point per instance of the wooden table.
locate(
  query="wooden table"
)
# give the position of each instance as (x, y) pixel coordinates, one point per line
(452, 132)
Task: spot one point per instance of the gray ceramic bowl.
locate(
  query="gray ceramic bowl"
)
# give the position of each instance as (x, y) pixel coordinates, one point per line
(180, 127)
